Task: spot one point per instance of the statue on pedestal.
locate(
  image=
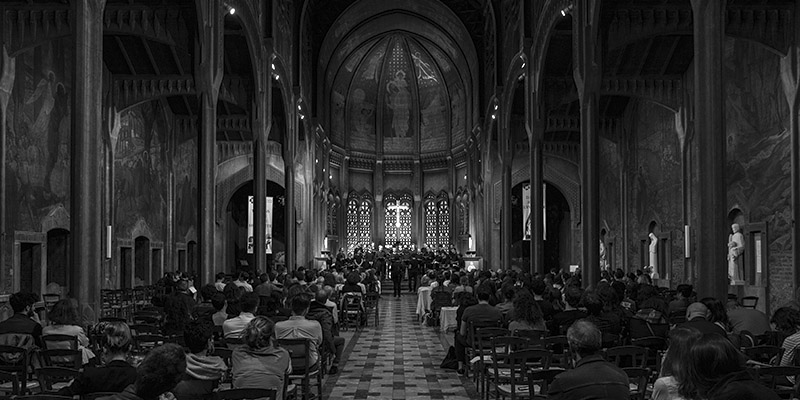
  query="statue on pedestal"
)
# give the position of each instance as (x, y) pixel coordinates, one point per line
(735, 251)
(653, 252)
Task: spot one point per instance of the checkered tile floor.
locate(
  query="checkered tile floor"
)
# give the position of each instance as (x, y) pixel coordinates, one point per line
(397, 360)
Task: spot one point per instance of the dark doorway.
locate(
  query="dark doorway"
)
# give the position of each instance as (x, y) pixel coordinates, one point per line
(558, 234)
(191, 250)
(181, 260)
(237, 212)
(142, 261)
(30, 267)
(58, 255)
(155, 265)
(125, 267)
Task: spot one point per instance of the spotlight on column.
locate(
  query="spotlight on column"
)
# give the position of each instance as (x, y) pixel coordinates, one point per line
(230, 9)
(493, 116)
(566, 10)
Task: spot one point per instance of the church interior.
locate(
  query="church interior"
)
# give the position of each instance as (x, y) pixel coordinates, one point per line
(141, 137)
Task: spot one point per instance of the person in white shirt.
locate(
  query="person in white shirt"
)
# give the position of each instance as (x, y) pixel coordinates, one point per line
(220, 283)
(242, 281)
(232, 328)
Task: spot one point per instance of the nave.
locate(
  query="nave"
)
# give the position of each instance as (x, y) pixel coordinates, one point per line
(397, 360)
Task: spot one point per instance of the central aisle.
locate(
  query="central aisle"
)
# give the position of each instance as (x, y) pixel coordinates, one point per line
(397, 360)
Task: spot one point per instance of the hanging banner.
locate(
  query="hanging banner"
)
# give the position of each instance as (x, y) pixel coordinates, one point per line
(269, 225)
(250, 222)
(250, 218)
(526, 211)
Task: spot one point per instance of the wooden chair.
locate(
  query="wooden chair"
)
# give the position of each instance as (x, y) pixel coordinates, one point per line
(535, 337)
(371, 300)
(9, 380)
(773, 377)
(113, 319)
(352, 311)
(246, 394)
(627, 356)
(145, 342)
(479, 337)
(148, 329)
(65, 358)
(225, 354)
(302, 369)
(765, 354)
(542, 378)
(519, 363)
(656, 347)
(639, 378)
(15, 360)
(500, 347)
(749, 302)
(559, 346)
(43, 397)
(53, 379)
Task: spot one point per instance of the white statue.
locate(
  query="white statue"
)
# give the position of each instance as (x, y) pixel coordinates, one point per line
(735, 251)
(653, 252)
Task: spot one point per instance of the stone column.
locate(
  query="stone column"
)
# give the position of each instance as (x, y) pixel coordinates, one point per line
(505, 214)
(7, 75)
(790, 74)
(712, 232)
(208, 78)
(377, 189)
(535, 139)
(86, 217)
(290, 148)
(262, 124)
(588, 74)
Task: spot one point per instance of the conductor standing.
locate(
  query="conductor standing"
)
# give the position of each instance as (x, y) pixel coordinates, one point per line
(397, 276)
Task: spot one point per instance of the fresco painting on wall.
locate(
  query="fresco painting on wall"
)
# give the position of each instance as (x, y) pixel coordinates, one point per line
(433, 102)
(39, 134)
(140, 167)
(363, 99)
(398, 120)
(185, 172)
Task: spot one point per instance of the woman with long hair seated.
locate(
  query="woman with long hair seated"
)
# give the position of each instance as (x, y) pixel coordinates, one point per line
(116, 373)
(680, 341)
(715, 371)
(65, 320)
(259, 364)
(526, 313)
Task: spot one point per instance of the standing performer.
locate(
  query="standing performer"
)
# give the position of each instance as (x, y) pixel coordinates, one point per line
(397, 275)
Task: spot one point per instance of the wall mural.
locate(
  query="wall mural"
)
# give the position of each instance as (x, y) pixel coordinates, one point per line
(185, 173)
(141, 168)
(39, 127)
(398, 120)
(363, 100)
(433, 102)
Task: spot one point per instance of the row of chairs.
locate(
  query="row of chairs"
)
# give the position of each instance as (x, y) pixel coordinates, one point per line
(122, 303)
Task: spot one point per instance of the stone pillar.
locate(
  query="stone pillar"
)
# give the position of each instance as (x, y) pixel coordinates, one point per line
(537, 203)
(712, 232)
(208, 77)
(418, 221)
(262, 124)
(790, 74)
(86, 217)
(505, 215)
(7, 75)
(377, 189)
(588, 73)
(290, 148)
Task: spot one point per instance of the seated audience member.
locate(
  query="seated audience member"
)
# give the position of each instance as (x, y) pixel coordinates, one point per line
(527, 315)
(23, 329)
(220, 282)
(298, 327)
(233, 296)
(508, 299)
(717, 313)
(539, 288)
(64, 320)
(244, 277)
(483, 312)
(593, 377)
(203, 371)
(115, 374)
(677, 357)
(697, 318)
(680, 304)
(205, 309)
(715, 371)
(564, 319)
(463, 287)
(259, 364)
(787, 323)
(159, 372)
(233, 327)
(607, 323)
(317, 311)
(747, 319)
(352, 284)
(178, 309)
(618, 284)
(220, 315)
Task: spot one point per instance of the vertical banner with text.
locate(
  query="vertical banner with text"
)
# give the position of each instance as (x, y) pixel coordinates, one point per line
(250, 223)
(526, 211)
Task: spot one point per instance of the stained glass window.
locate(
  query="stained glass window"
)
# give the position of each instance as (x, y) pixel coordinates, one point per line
(359, 220)
(437, 220)
(398, 219)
